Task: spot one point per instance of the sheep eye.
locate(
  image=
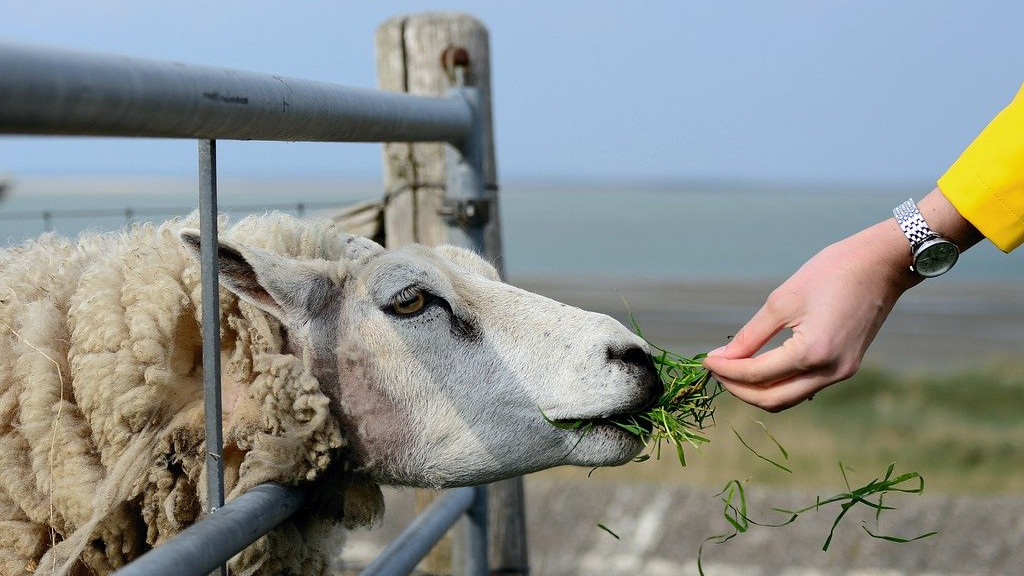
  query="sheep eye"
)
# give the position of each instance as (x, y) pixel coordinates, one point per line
(409, 302)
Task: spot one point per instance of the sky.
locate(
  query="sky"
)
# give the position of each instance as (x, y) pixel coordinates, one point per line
(843, 91)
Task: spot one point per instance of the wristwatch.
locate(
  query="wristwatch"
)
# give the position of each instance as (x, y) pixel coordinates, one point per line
(933, 254)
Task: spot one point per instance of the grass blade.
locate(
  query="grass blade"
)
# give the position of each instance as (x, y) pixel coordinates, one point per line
(608, 530)
(758, 454)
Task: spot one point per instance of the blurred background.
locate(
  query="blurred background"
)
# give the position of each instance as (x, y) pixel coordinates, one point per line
(684, 157)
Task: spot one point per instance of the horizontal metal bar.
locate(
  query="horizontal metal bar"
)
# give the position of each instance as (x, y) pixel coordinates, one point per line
(207, 544)
(412, 545)
(62, 92)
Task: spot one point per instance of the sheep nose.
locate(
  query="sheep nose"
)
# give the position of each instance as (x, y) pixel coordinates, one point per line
(640, 364)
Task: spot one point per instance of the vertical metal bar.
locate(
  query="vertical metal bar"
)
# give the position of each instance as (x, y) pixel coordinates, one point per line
(211, 325)
(467, 210)
(466, 206)
(476, 534)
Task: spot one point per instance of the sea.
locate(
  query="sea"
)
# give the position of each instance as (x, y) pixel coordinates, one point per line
(689, 231)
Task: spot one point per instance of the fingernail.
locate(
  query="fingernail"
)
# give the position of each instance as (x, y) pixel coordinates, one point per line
(716, 351)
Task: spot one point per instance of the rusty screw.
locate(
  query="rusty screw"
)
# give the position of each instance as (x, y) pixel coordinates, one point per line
(455, 61)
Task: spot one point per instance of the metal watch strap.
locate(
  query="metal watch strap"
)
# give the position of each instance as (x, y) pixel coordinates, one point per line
(912, 223)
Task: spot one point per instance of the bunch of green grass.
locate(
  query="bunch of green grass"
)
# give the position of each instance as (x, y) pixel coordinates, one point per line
(684, 410)
(681, 414)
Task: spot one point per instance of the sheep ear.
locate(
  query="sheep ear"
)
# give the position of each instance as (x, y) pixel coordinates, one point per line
(289, 289)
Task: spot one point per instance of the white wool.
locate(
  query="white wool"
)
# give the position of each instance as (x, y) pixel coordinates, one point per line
(101, 411)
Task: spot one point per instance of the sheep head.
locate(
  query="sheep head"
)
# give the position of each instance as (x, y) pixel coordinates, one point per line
(441, 374)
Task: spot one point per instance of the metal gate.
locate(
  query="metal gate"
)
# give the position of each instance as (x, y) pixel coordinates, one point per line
(59, 92)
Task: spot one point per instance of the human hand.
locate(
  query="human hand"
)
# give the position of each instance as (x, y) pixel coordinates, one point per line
(834, 305)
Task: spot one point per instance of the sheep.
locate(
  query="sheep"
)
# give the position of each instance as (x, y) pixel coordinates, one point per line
(346, 366)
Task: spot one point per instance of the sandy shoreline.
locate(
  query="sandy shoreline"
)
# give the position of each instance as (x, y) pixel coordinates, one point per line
(935, 328)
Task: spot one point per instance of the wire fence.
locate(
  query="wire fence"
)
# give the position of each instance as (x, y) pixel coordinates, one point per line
(130, 215)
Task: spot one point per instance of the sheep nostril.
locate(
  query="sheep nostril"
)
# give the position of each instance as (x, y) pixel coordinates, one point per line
(638, 361)
(629, 355)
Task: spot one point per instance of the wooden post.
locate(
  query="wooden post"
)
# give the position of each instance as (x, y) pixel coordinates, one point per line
(410, 51)
(409, 59)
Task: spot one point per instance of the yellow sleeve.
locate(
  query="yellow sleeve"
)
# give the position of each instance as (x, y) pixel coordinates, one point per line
(986, 184)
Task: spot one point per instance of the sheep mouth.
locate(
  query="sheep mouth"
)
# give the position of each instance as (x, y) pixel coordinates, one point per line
(621, 421)
(632, 419)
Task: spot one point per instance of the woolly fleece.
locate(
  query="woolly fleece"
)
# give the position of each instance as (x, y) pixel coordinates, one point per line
(101, 403)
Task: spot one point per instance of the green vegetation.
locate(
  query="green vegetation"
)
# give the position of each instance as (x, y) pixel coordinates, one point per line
(682, 412)
(871, 495)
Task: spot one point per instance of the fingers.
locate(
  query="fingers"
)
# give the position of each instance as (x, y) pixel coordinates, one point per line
(761, 328)
(773, 366)
(781, 395)
(778, 379)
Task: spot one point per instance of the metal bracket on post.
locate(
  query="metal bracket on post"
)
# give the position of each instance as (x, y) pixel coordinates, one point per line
(466, 213)
(466, 207)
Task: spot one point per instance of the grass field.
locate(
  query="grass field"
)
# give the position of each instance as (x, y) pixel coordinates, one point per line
(964, 432)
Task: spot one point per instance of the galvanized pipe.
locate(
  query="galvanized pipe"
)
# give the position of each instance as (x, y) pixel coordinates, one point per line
(466, 208)
(210, 271)
(412, 545)
(211, 542)
(476, 535)
(63, 92)
(209, 275)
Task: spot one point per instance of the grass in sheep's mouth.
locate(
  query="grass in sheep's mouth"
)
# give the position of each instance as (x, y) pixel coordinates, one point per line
(679, 416)
(682, 412)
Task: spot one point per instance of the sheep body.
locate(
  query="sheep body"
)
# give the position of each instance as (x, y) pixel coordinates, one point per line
(101, 402)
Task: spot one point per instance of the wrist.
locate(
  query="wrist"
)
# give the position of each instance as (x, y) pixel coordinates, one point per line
(944, 219)
(936, 232)
(894, 256)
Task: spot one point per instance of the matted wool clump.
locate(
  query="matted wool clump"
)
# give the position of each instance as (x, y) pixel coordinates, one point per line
(101, 402)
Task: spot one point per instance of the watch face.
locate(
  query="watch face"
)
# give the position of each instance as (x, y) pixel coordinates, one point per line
(935, 257)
